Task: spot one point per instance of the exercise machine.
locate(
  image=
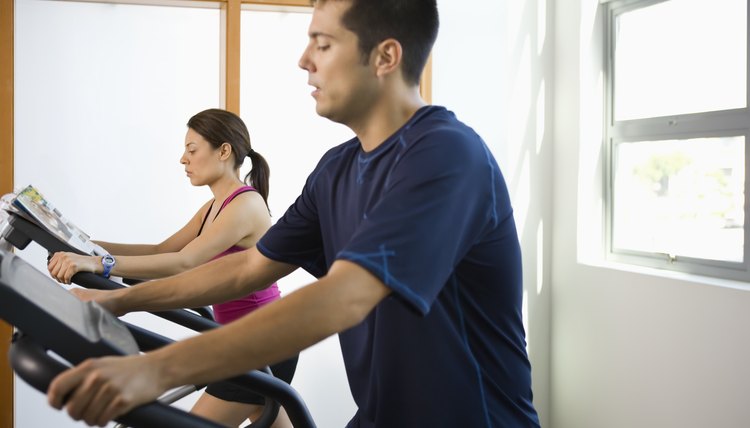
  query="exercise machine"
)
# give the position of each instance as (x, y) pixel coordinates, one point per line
(19, 229)
(48, 318)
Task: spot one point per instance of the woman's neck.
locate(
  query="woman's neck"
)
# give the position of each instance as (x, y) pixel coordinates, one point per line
(222, 188)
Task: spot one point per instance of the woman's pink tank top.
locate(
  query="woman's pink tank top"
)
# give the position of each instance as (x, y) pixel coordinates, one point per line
(229, 311)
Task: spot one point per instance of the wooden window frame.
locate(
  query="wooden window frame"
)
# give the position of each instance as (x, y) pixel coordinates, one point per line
(6, 186)
(230, 100)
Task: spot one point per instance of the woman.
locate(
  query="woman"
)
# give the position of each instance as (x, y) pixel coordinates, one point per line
(216, 145)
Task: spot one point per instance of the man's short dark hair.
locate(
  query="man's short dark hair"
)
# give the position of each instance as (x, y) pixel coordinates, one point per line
(414, 23)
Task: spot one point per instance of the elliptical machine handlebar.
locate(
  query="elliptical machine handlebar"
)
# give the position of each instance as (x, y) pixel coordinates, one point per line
(21, 231)
(32, 363)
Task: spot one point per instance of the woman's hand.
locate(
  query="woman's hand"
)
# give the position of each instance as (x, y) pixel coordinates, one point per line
(62, 266)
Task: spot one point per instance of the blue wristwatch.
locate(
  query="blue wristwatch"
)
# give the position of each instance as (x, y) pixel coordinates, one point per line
(108, 262)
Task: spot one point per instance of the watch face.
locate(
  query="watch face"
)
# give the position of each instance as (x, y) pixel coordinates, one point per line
(108, 260)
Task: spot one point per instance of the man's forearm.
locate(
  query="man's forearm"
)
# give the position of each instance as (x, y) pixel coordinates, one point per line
(270, 334)
(99, 389)
(221, 280)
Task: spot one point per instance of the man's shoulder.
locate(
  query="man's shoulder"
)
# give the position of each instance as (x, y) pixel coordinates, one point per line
(338, 150)
(331, 160)
(445, 141)
(438, 125)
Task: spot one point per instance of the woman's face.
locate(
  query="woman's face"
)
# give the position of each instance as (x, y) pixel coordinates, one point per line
(202, 162)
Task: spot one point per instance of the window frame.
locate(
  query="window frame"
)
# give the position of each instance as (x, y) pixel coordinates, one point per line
(721, 123)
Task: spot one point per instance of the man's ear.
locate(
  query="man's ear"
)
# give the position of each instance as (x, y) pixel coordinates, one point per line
(388, 56)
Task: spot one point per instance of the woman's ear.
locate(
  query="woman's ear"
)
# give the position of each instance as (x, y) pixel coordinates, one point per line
(225, 151)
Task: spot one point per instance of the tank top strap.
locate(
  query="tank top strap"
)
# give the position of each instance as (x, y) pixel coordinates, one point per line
(205, 217)
(229, 199)
(234, 194)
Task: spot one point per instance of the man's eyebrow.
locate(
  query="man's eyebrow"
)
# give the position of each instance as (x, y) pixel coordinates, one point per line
(316, 34)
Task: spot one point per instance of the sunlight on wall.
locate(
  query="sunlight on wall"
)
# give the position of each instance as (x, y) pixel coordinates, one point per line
(540, 257)
(513, 22)
(525, 315)
(540, 118)
(522, 194)
(521, 97)
(590, 157)
(541, 25)
(590, 182)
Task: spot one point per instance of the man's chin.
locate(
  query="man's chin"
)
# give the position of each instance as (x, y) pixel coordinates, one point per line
(320, 110)
(323, 112)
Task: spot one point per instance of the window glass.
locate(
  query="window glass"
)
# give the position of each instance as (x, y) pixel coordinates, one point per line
(681, 197)
(276, 103)
(679, 57)
(103, 93)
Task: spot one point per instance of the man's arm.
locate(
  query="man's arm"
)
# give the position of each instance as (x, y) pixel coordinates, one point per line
(227, 278)
(105, 388)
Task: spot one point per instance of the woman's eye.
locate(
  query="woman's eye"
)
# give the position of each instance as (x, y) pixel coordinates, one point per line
(323, 48)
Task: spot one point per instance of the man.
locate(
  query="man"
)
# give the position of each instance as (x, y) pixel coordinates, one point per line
(408, 228)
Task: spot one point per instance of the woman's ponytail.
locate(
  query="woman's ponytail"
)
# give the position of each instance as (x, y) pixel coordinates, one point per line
(259, 174)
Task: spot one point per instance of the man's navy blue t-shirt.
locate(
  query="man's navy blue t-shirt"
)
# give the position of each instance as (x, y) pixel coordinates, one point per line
(428, 213)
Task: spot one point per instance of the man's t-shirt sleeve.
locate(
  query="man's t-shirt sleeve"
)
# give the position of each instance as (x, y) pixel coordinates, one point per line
(296, 237)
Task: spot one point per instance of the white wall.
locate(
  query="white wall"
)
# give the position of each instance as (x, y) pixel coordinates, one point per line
(492, 66)
(629, 348)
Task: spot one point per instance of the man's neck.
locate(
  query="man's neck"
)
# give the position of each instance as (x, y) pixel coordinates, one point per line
(385, 118)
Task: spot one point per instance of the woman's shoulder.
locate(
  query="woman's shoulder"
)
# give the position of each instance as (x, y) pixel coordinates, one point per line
(247, 201)
(203, 210)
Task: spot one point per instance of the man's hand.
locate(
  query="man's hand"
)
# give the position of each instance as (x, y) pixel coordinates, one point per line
(62, 266)
(105, 298)
(99, 390)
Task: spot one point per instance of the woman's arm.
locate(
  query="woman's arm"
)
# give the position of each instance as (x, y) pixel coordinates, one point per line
(221, 280)
(174, 243)
(241, 223)
(128, 249)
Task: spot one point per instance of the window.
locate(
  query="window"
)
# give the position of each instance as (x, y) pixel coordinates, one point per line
(102, 94)
(677, 124)
(276, 102)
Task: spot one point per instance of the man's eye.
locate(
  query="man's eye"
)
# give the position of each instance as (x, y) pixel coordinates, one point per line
(323, 48)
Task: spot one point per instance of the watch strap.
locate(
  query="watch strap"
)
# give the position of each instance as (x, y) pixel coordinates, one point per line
(107, 264)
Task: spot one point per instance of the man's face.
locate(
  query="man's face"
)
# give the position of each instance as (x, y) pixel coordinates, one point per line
(344, 86)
